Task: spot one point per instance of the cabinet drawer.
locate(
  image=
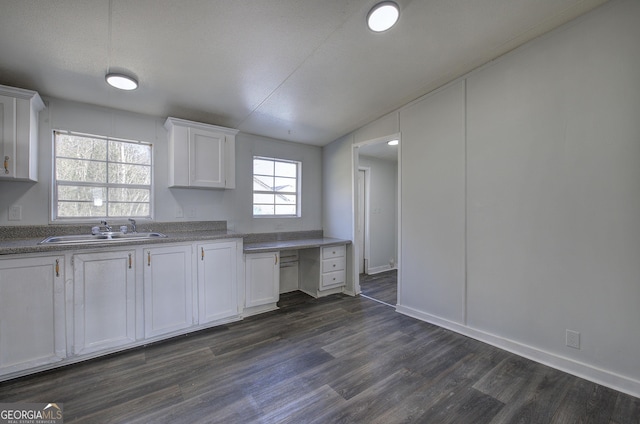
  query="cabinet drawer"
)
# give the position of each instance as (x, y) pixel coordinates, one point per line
(332, 279)
(333, 252)
(335, 264)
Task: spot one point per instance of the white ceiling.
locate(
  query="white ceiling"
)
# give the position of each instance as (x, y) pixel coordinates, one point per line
(301, 70)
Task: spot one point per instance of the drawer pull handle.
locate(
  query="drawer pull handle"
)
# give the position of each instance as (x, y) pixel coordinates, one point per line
(276, 256)
(148, 258)
(6, 164)
(129, 260)
(57, 267)
(202, 254)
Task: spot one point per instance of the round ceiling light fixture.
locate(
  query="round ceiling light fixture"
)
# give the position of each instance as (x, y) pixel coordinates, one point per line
(383, 16)
(393, 142)
(121, 81)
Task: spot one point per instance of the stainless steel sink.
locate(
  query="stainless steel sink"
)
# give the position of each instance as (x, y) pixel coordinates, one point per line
(106, 237)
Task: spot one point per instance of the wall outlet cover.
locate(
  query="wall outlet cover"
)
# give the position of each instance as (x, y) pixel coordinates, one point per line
(15, 213)
(573, 339)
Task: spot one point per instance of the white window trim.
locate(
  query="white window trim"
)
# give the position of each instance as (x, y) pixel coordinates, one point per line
(53, 208)
(298, 191)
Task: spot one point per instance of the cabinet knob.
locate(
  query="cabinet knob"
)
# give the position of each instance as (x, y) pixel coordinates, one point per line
(334, 265)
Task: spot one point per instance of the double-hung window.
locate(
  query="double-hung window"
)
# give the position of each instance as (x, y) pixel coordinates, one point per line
(101, 177)
(276, 187)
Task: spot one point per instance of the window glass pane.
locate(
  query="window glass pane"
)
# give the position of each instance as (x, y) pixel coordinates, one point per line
(261, 183)
(81, 209)
(286, 169)
(285, 184)
(286, 199)
(81, 170)
(87, 194)
(129, 153)
(263, 198)
(285, 209)
(263, 209)
(281, 177)
(87, 169)
(129, 174)
(73, 146)
(129, 195)
(262, 167)
(128, 209)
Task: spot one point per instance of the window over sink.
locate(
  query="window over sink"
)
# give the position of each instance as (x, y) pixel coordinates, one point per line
(100, 177)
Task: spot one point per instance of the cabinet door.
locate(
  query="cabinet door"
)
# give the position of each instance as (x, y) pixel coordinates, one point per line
(217, 281)
(263, 278)
(8, 136)
(104, 301)
(32, 322)
(168, 290)
(207, 158)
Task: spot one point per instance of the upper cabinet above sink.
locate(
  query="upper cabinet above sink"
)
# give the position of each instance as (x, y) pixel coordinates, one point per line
(201, 155)
(19, 133)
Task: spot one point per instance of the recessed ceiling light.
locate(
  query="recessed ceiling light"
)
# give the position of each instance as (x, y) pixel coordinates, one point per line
(383, 16)
(121, 81)
(392, 142)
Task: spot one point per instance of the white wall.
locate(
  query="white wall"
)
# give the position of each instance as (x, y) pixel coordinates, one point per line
(234, 206)
(521, 197)
(383, 207)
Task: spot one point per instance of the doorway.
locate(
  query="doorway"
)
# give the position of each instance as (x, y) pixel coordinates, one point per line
(376, 218)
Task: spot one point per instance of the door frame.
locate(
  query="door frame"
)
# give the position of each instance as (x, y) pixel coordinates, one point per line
(355, 168)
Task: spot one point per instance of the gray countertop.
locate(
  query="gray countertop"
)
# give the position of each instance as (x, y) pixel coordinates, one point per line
(30, 245)
(25, 239)
(272, 246)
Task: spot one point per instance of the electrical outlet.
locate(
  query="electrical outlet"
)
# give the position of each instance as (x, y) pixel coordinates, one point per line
(15, 213)
(573, 339)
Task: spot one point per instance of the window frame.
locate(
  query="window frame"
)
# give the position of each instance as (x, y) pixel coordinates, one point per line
(297, 193)
(54, 216)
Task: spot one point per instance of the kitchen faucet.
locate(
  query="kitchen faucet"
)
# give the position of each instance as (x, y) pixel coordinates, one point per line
(107, 226)
(133, 225)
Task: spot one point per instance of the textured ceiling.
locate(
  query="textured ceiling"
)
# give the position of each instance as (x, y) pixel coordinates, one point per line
(301, 70)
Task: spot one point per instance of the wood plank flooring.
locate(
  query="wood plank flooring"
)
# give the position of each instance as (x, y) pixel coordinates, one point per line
(339, 359)
(382, 287)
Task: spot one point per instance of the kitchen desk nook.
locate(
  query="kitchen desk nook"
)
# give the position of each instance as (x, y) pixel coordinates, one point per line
(316, 266)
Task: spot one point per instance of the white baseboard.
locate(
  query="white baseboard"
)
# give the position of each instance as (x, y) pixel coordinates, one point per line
(588, 372)
(379, 269)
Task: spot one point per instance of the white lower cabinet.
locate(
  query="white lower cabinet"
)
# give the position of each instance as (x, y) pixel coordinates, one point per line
(323, 270)
(116, 298)
(104, 301)
(168, 290)
(217, 281)
(262, 289)
(32, 318)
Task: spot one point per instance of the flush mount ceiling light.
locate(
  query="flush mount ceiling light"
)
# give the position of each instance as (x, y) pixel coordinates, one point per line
(392, 142)
(383, 16)
(121, 81)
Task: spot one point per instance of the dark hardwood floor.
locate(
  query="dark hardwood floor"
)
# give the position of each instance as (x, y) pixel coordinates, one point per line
(382, 287)
(339, 359)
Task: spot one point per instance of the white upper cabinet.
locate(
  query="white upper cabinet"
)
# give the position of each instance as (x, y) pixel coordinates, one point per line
(201, 155)
(19, 133)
